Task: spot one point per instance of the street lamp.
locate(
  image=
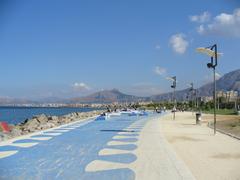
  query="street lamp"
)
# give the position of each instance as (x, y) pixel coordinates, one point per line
(212, 52)
(192, 93)
(174, 80)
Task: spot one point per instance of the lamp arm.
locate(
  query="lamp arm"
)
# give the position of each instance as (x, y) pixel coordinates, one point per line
(215, 51)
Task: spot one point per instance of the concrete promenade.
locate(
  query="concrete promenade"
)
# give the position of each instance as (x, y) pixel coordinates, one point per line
(207, 156)
(125, 147)
(121, 148)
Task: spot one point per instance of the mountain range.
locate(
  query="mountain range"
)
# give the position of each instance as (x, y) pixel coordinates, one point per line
(107, 96)
(230, 81)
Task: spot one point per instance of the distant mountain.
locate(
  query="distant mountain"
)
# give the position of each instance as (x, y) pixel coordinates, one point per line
(52, 100)
(14, 101)
(8, 100)
(180, 95)
(107, 96)
(230, 81)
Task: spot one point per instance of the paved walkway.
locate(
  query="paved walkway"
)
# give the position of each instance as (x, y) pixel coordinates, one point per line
(120, 148)
(207, 156)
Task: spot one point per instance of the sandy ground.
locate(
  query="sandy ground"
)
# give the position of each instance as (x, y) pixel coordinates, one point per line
(227, 123)
(206, 155)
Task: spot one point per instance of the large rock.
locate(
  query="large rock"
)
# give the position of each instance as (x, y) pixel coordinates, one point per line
(67, 116)
(46, 125)
(41, 122)
(31, 125)
(4, 136)
(66, 119)
(56, 122)
(53, 118)
(41, 118)
(16, 131)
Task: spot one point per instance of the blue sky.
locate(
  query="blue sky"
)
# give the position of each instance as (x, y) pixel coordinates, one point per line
(69, 48)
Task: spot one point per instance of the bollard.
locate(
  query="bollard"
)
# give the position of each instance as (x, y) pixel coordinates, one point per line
(198, 118)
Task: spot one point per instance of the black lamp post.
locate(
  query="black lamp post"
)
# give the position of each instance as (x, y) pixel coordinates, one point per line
(174, 79)
(192, 94)
(212, 52)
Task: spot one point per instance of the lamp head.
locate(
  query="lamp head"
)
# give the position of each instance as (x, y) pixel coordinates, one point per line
(209, 65)
(208, 51)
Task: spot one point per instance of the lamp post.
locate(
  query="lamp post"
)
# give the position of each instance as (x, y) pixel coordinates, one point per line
(196, 95)
(173, 86)
(192, 93)
(212, 52)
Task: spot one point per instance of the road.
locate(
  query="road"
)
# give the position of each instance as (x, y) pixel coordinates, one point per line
(124, 147)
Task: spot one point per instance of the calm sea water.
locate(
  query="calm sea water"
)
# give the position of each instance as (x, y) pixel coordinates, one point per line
(15, 115)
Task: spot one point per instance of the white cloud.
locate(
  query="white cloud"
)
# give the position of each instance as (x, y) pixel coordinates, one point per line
(179, 43)
(157, 47)
(80, 87)
(223, 24)
(202, 18)
(159, 70)
(201, 29)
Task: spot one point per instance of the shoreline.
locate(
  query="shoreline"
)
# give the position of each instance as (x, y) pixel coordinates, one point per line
(43, 122)
(16, 115)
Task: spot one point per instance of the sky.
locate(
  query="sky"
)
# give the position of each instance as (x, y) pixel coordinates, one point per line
(70, 48)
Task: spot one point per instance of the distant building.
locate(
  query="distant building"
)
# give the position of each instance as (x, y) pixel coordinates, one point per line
(207, 98)
(145, 102)
(230, 96)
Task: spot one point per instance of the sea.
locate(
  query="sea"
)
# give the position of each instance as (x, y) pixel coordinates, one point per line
(15, 115)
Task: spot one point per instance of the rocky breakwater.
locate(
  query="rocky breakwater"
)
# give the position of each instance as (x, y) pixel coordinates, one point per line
(42, 122)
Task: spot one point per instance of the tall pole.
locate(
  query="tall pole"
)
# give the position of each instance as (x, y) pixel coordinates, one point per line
(212, 51)
(192, 97)
(174, 97)
(197, 100)
(215, 86)
(214, 97)
(174, 79)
